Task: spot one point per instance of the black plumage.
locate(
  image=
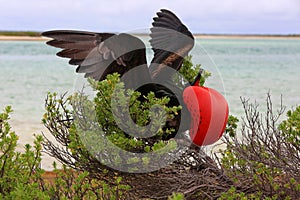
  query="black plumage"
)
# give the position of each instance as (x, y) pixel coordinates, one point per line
(99, 54)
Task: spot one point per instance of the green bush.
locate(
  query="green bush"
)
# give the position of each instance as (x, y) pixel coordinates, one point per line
(88, 127)
(22, 178)
(20, 174)
(20, 33)
(291, 127)
(260, 160)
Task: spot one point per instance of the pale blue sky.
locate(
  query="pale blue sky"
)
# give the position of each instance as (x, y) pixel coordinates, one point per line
(201, 16)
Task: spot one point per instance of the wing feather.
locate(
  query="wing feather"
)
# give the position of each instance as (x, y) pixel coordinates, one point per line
(171, 41)
(98, 54)
(73, 53)
(71, 45)
(71, 36)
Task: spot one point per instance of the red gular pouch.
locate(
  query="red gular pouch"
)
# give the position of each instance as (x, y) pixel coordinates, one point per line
(209, 113)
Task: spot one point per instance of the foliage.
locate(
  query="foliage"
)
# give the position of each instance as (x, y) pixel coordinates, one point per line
(260, 158)
(188, 72)
(20, 33)
(71, 184)
(256, 163)
(264, 158)
(109, 110)
(20, 175)
(231, 126)
(291, 127)
(85, 127)
(86, 136)
(22, 178)
(176, 196)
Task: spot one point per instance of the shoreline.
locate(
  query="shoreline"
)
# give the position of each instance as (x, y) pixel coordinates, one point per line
(212, 36)
(22, 38)
(203, 36)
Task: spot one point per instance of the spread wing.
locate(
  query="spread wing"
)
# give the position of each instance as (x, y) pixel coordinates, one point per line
(171, 41)
(98, 54)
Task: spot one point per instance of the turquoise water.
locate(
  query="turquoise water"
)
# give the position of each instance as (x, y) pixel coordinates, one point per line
(252, 67)
(240, 67)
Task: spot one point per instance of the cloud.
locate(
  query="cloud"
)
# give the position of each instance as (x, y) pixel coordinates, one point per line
(268, 16)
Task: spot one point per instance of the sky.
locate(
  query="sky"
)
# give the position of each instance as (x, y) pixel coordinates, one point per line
(200, 16)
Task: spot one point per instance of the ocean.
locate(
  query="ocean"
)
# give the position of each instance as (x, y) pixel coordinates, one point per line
(240, 67)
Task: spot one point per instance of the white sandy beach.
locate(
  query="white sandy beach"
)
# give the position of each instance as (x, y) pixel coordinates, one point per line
(22, 38)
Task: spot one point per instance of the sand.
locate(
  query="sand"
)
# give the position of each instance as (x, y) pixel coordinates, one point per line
(22, 38)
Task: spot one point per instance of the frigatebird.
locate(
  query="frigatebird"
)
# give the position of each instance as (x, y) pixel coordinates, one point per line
(100, 54)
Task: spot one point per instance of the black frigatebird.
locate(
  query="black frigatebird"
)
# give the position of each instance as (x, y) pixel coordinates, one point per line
(100, 54)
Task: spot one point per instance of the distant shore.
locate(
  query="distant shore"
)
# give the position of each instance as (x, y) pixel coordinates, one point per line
(204, 36)
(22, 38)
(233, 36)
